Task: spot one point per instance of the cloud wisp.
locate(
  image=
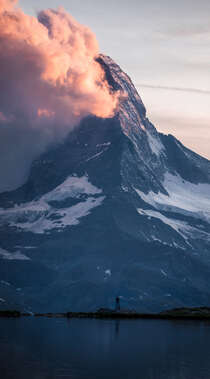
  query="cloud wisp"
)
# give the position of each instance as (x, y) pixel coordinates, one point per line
(177, 89)
(187, 30)
(49, 80)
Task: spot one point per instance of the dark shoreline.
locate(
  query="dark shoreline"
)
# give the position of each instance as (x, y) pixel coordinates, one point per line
(200, 313)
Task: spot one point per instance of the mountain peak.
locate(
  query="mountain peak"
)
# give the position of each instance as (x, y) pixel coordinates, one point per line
(117, 208)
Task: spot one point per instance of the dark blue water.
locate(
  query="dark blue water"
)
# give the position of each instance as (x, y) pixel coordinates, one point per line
(40, 348)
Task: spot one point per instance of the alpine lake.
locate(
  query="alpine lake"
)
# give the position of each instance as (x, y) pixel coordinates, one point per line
(55, 348)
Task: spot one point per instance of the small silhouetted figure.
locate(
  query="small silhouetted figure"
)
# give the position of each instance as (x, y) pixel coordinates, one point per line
(117, 304)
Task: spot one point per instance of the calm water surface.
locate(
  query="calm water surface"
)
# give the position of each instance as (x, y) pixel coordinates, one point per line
(36, 348)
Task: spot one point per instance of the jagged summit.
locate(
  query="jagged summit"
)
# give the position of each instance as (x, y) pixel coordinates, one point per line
(118, 209)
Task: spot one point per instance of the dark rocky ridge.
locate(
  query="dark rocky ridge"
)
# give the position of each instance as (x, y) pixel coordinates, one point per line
(201, 313)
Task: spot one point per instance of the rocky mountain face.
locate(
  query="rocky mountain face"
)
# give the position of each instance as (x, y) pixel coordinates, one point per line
(118, 209)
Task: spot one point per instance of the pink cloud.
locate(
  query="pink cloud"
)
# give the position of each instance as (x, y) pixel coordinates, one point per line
(49, 77)
(45, 113)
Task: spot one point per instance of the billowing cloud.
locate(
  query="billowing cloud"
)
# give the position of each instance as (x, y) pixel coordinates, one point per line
(49, 81)
(7, 5)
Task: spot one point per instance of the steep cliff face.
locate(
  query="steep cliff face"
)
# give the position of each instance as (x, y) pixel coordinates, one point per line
(117, 209)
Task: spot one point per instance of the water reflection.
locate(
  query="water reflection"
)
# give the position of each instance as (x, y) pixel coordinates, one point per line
(117, 327)
(104, 349)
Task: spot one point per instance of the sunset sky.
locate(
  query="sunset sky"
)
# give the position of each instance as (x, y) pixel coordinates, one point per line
(164, 45)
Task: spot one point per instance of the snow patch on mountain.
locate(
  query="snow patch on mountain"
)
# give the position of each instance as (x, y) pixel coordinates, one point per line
(183, 197)
(5, 283)
(181, 227)
(103, 144)
(155, 144)
(95, 155)
(163, 272)
(40, 215)
(72, 187)
(13, 256)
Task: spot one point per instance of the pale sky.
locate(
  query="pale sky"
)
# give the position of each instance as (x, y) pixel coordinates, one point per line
(164, 46)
